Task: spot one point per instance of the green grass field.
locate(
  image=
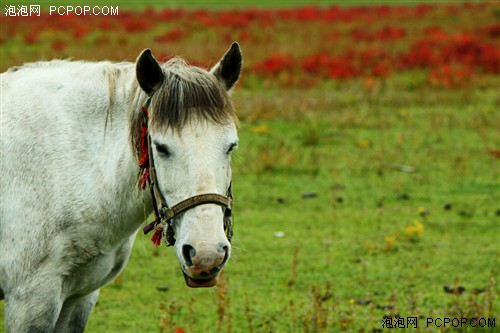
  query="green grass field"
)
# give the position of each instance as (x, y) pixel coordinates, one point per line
(336, 268)
(354, 200)
(376, 169)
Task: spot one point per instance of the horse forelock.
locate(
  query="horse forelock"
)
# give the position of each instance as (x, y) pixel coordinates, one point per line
(187, 93)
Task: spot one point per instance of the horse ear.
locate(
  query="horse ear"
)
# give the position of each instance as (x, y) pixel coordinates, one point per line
(148, 71)
(228, 69)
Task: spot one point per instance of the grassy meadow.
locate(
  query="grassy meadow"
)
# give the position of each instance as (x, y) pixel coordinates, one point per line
(367, 180)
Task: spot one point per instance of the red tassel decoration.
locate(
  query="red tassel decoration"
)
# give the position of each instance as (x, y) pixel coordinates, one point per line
(144, 161)
(156, 238)
(144, 179)
(144, 176)
(144, 149)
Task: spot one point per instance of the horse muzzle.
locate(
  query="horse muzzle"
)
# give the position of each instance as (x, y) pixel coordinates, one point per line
(202, 264)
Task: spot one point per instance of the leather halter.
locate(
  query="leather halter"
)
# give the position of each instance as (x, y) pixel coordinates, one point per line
(165, 214)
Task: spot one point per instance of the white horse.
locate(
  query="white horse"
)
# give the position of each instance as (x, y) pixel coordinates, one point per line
(70, 203)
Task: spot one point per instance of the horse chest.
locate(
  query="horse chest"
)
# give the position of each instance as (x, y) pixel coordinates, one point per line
(100, 271)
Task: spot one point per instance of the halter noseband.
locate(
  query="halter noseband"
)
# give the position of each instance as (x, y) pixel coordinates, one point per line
(162, 223)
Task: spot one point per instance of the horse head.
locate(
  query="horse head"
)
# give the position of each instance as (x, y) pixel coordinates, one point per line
(191, 132)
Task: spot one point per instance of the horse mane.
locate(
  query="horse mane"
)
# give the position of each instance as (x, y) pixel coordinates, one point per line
(187, 93)
(112, 71)
(56, 63)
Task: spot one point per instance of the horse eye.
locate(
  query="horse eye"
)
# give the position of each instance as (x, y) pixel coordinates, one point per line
(231, 148)
(162, 150)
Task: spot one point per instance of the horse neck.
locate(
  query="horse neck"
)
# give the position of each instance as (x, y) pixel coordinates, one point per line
(131, 205)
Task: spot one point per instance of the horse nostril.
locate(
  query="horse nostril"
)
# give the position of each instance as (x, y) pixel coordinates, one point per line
(188, 252)
(226, 256)
(221, 247)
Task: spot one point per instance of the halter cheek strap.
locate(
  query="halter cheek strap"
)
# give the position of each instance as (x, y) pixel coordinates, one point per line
(164, 215)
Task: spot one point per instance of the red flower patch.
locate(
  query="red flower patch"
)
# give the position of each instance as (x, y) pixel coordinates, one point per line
(450, 76)
(58, 45)
(171, 36)
(136, 24)
(317, 43)
(275, 64)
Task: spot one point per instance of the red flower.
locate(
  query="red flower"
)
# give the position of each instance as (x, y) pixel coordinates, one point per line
(171, 36)
(274, 64)
(450, 76)
(310, 13)
(390, 33)
(136, 24)
(80, 31)
(58, 45)
(493, 31)
(105, 24)
(317, 63)
(494, 152)
(381, 70)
